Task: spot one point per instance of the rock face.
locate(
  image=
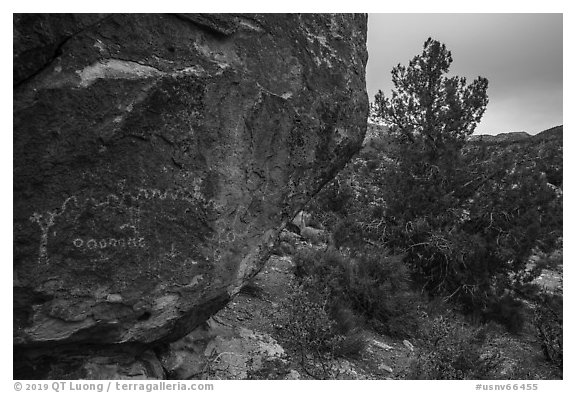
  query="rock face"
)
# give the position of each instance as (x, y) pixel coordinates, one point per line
(157, 157)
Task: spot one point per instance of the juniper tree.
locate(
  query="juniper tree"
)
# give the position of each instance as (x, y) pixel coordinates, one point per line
(467, 219)
(430, 115)
(428, 109)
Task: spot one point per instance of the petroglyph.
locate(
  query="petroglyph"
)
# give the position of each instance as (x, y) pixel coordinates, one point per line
(111, 204)
(124, 202)
(174, 195)
(45, 221)
(100, 244)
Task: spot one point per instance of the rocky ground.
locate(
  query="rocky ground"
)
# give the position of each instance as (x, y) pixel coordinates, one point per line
(243, 341)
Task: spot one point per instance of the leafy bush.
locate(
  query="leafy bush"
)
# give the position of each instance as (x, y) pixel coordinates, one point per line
(315, 337)
(350, 326)
(347, 233)
(372, 284)
(335, 197)
(453, 350)
(548, 321)
(507, 311)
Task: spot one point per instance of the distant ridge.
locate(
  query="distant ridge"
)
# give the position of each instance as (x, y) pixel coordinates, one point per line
(502, 137)
(511, 137)
(378, 134)
(551, 133)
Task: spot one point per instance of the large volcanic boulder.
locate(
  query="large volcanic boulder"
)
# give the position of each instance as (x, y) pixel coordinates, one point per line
(157, 157)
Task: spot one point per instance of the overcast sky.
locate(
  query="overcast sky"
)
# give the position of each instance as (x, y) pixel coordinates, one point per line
(520, 54)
